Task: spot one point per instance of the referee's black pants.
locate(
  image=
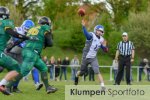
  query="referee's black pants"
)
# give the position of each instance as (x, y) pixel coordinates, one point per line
(123, 61)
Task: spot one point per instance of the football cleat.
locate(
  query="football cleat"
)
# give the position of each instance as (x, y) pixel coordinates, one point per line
(39, 86)
(4, 90)
(16, 90)
(76, 80)
(51, 89)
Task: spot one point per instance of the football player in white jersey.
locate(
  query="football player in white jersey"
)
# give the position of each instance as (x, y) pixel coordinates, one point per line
(94, 41)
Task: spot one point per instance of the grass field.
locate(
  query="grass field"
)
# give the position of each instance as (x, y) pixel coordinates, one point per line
(29, 92)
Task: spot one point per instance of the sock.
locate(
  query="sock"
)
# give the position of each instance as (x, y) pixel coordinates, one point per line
(102, 84)
(35, 75)
(44, 79)
(3, 82)
(37, 84)
(17, 78)
(15, 85)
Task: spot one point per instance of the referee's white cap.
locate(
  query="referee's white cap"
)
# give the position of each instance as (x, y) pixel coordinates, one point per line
(125, 33)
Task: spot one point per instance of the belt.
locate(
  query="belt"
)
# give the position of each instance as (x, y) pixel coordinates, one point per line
(125, 55)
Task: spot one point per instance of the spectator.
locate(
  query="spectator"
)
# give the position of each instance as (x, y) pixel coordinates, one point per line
(57, 69)
(131, 76)
(74, 67)
(115, 68)
(142, 68)
(65, 63)
(45, 59)
(51, 68)
(148, 70)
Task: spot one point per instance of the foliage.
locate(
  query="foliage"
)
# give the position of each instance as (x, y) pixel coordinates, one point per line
(23, 9)
(138, 5)
(5, 2)
(15, 14)
(67, 27)
(54, 7)
(105, 20)
(72, 37)
(121, 9)
(77, 39)
(29, 9)
(138, 27)
(113, 39)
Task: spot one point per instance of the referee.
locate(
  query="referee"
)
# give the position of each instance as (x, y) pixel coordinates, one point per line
(124, 56)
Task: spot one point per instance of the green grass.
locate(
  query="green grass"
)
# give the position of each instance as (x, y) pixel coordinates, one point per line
(29, 92)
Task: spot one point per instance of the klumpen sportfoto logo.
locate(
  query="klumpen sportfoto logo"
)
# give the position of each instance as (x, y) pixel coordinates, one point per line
(113, 92)
(107, 92)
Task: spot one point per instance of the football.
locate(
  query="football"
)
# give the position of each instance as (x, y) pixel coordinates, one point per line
(81, 12)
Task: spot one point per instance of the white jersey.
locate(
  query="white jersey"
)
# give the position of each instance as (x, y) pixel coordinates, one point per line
(17, 49)
(92, 46)
(20, 30)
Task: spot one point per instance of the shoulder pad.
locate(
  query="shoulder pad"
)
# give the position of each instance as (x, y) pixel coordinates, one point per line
(46, 27)
(8, 24)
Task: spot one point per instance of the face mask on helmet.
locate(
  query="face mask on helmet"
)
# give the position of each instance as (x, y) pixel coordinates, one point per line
(99, 28)
(44, 21)
(27, 24)
(4, 13)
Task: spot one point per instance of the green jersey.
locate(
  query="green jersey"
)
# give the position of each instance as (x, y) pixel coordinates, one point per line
(39, 33)
(4, 37)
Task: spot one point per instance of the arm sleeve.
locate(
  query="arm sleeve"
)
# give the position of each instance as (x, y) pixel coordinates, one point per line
(15, 34)
(10, 45)
(118, 46)
(86, 33)
(48, 39)
(104, 48)
(132, 46)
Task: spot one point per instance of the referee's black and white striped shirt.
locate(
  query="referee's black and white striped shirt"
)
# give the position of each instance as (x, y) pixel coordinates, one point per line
(125, 48)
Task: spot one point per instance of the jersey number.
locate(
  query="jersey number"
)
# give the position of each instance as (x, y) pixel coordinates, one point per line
(33, 31)
(96, 47)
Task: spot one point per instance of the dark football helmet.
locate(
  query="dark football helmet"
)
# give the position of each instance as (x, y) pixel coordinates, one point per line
(4, 12)
(44, 20)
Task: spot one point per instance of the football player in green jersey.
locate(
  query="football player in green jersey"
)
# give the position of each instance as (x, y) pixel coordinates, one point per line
(32, 50)
(6, 31)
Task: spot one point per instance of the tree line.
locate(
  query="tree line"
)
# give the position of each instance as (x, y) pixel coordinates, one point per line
(131, 16)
